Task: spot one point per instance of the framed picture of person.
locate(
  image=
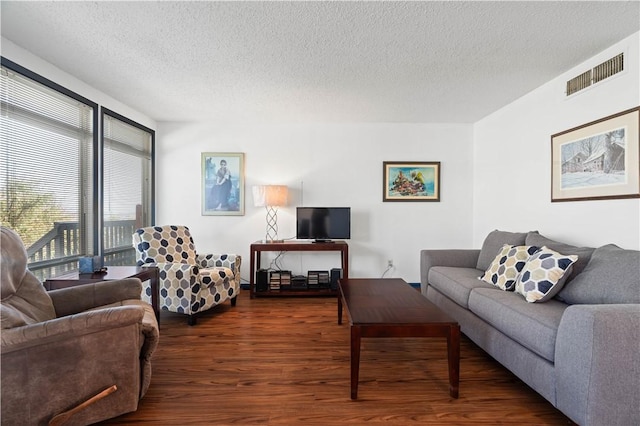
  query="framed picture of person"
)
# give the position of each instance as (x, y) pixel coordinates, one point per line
(223, 183)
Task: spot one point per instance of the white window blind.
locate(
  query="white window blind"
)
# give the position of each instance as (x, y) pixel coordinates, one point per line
(46, 171)
(127, 188)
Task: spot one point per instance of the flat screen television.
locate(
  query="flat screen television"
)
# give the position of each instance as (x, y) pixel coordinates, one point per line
(323, 224)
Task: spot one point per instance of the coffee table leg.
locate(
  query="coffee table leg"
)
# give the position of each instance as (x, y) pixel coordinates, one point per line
(453, 349)
(355, 360)
(339, 310)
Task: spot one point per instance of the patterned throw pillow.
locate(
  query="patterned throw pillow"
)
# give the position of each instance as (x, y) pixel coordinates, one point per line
(544, 275)
(505, 268)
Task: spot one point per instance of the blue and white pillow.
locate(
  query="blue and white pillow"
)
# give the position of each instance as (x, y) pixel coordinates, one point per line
(504, 270)
(544, 274)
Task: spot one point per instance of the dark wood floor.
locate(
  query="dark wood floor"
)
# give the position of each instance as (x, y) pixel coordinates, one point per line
(286, 362)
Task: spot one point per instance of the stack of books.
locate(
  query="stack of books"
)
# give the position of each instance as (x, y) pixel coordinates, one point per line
(279, 279)
(323, 279)
(312, 279)
(285, 280)
(318, 279)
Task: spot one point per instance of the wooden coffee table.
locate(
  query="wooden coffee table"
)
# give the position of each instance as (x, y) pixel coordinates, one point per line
(391, 308)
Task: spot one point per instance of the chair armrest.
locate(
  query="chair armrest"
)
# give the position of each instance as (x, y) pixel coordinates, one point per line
(72, 300)
(69, 327)
(177, 272)
(597, 364)
(231, 261)
(463, 258)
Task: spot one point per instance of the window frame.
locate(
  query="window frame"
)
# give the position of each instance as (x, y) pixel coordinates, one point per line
(106, 111)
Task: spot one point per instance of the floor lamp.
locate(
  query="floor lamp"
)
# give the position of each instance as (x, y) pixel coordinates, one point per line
(271, 197)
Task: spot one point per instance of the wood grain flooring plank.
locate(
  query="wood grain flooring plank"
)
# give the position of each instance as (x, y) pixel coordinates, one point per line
(285, 361)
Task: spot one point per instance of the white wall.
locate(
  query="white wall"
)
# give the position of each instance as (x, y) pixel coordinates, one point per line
(337, 165)
(495, 174)
(33, 63)
(512, 160)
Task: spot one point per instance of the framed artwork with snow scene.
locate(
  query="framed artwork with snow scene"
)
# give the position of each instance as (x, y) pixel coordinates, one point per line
(598, 160)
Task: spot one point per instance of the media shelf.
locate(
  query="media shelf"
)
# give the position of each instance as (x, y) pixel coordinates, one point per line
(259, 247)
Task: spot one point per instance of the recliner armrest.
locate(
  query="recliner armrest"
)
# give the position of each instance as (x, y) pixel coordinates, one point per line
(70, 327)
(72, 300)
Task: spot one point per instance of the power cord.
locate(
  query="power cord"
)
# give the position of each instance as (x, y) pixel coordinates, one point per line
(389, 268)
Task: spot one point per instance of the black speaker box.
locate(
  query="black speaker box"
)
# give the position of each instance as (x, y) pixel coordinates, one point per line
(336, 274)
(262, 280)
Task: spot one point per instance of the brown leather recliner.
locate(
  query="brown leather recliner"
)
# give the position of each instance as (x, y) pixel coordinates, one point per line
(61, 348)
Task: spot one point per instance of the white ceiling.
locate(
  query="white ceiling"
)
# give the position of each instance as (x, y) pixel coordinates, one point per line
(317, 61)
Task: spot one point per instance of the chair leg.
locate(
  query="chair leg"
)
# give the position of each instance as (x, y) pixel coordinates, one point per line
(234, 300)
(191, 319)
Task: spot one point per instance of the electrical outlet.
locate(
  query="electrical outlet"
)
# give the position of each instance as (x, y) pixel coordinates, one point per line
(390, 263)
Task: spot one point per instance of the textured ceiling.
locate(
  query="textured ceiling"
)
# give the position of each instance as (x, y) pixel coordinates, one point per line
(317, 61)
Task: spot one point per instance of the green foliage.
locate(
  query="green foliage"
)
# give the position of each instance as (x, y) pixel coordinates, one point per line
(28, 211)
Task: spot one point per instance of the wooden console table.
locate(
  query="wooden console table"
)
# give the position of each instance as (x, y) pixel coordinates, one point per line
(258, 247)
(145, 273)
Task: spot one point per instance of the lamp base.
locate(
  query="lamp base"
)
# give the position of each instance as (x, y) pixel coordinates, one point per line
(273, 241)
(271, 235)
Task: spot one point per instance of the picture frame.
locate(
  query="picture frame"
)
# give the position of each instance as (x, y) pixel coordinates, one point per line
(411, 181)
(599, 160)
(222, 183)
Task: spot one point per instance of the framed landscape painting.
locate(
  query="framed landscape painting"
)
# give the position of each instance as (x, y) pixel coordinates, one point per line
(598, 160)
(222, 183)
(411, 181)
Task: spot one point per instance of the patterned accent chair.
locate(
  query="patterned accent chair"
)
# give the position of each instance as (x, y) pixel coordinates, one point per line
(189, 282)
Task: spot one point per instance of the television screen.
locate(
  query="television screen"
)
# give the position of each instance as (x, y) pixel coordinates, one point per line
(323, 223)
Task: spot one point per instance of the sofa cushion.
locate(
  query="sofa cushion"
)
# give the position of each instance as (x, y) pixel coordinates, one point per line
(544, 275)
(583, 253)
(533, 325)
(611, 276)
(494, 242)
(505, 268)
(456, 283)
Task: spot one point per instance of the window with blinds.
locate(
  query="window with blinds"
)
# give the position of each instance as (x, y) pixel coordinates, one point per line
(127, 184)
(47, 173)
(65, 194)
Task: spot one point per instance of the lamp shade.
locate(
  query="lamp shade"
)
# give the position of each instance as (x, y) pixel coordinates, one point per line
(270, 195)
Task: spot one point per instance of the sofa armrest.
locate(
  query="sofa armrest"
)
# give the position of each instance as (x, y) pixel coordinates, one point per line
(464, 258)
(72, 300)
(70, 327)
(598, 364)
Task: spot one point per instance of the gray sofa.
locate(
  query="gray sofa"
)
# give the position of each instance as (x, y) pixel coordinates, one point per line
(580, 349)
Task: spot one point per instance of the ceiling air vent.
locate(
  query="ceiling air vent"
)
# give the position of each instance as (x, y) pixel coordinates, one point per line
(608, 68)
(598, 73)
(578, 83)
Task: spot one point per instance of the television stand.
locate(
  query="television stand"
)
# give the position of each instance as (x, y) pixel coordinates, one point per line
(258, 247)
(319, 241)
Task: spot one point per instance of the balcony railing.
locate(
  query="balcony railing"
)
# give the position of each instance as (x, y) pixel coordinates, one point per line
(58, 251)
